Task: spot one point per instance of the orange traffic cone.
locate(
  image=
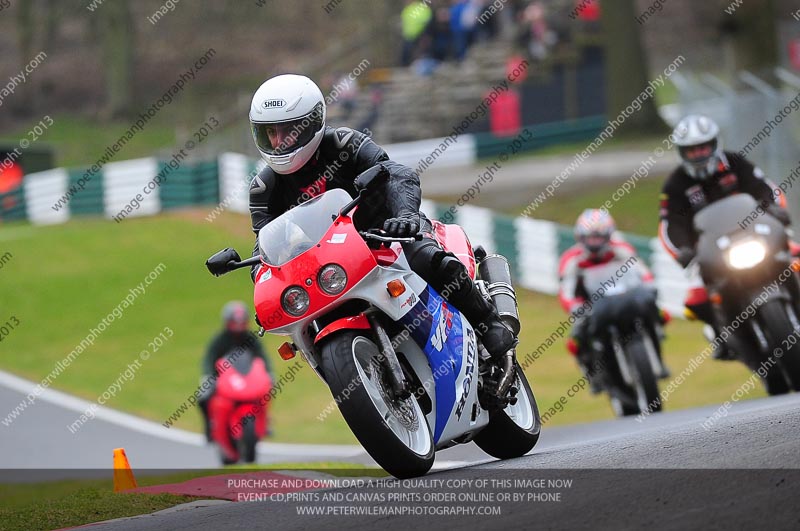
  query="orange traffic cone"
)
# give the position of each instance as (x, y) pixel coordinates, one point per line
(123, 475)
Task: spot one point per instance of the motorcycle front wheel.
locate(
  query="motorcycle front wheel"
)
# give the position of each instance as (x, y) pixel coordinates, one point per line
(645, 383)
(394, 432)
(513, 431)
(780, 322)
(248, 442)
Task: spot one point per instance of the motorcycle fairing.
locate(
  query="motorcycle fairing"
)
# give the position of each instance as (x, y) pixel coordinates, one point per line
(453, 238)
(449, 344)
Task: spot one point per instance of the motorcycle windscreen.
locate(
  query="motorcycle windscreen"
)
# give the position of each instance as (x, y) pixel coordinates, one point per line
(300, 228)
(611, 278)
(722, 217)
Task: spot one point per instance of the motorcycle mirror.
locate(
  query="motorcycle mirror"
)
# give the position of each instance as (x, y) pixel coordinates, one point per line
(371, 177)
(221, 262)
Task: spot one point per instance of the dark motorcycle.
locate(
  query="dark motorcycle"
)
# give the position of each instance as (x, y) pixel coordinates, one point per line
(743, 264)
(626, 332)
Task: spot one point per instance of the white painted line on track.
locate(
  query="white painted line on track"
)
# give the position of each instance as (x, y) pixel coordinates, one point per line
(154, 429)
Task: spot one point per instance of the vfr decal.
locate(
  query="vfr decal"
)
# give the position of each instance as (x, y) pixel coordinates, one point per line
(467, 383)
(443, 327)
(410, 301)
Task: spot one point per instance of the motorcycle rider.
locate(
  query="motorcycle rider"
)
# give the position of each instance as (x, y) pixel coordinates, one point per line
(234, 339)
(305, 158)
(595, 246)
(706, 174)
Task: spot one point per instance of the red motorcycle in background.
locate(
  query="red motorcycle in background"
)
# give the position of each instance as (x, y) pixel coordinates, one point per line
(238, 409)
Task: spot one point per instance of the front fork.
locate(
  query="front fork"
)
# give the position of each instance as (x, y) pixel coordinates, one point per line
(388, 359)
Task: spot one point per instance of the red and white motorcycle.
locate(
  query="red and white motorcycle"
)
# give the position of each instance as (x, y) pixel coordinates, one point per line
(406, 369)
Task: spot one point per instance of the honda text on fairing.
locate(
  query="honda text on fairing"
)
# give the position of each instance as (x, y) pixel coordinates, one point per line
(238, 409)
(749, 271)
(625, 329)
(406, 369)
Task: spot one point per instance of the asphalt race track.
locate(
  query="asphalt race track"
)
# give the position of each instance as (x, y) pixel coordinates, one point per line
(39, 438)
(666, 472)
(756, 435)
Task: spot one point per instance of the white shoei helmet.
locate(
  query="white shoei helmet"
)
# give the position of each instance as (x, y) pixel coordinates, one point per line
(287, 118)
(695, 131)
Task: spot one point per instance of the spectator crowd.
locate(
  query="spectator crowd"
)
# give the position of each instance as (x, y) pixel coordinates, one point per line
(435, 31)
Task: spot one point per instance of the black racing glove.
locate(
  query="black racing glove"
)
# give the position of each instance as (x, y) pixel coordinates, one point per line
(685, 255)
(402, 226)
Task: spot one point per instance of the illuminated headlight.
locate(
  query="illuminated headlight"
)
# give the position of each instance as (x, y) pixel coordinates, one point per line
(745, 255)
(332, 279)
(295, 301)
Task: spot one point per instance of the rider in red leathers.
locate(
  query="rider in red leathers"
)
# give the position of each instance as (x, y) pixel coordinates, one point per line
(595, 246)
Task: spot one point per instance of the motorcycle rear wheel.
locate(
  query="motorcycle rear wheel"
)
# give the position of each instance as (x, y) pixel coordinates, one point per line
(394, 432)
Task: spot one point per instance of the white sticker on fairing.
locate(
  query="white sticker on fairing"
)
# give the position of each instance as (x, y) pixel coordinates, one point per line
(338, 238)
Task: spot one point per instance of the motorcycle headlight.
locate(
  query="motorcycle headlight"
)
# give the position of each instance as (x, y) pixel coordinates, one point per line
(332, 279)
(295, 301)
(744, 255)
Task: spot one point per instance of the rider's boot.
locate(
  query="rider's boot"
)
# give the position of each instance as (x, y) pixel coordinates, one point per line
(719, 350)
(705, 313)
(589, 357)
(459, 289)
(496, 336)
(595, 387)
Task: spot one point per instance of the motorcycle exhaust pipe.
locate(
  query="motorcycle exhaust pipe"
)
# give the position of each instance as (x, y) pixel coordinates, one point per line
(496, 274)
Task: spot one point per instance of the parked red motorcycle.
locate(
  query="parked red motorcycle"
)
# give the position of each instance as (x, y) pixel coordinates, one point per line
(238, 409)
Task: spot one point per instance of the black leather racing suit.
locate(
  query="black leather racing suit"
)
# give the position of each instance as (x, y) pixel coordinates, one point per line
(342, 155)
